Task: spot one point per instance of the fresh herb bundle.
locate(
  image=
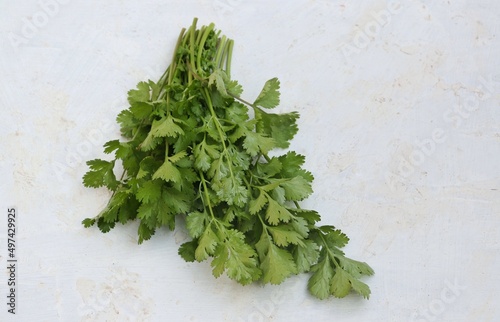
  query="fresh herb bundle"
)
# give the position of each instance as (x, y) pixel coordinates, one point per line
(192, 150)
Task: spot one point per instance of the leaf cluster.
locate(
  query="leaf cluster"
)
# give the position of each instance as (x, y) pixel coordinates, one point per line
(192, 149)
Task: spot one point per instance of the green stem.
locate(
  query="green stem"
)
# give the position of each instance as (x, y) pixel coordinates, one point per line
(205, 192)
(220, 51)
(228, 57)
(201, 45)
(191, 47)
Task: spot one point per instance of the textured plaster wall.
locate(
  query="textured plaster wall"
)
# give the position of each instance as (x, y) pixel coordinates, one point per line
(400, 123)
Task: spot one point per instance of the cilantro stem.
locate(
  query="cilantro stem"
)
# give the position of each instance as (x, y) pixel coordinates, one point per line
(205, 192)
(201, 45)
(228, 57)
(220, 51)
(242, 100)
(191, 47)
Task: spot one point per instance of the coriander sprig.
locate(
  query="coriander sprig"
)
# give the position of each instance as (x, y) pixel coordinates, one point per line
(191, 149)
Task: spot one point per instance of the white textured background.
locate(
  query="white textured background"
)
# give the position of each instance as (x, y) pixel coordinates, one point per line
(400, 124)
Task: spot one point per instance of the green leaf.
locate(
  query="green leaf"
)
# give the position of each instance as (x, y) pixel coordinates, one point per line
(141, 110)
(278, 194)
(292, 163)
(128, 211)
(110, 213)
(148, 213)
(360, 288)
(270, 168)
(311, 216)
(187, 250)
(177, 157)
(111, 146)
(281, 127)
(196, 223)
(283, 235)
(220, 258)
(306, 255)
(269, 97)
(123, 151)
(144, 232)
(334, 237)
(204, 154)
(206, 244)
(256, 143)
(276, 213)
(166, 127)
(218, 78)
(178, 202)
(202, 159)
(88, 222)
(233, 87)
(149, 191)
(355, 268)
(277, 264)
(105, 226)
(297, 188)
(128, 124)
(168, 172)
(257, 204)
(237, 257)
(300, 225)
(231, 190)
(319, 282)
(147, 166)
(141, 94)
(150, 142)
(340, 283)
(237, 113)
(100, 174)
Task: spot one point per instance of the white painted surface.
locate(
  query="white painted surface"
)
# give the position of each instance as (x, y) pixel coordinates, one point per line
(369, 87)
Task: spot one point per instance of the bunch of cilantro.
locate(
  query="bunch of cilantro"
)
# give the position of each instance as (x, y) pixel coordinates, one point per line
(191, 149)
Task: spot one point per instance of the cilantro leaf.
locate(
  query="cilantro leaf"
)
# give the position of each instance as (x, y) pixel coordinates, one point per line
(100, 174)
(149, 191)
(88, 222)
(283, 235)
(128, 124)
(258, 203)
(269, 97)
(297, 188)
(206, 244)
(276, 212)
(168, 172)
(187, 250)
(256, 143)
(236, 257)
(319, 283)
(196, 223)
(141, 110)
(277, 264)
(141, 94)
(166, 127)
(145, 232)
(218, 78)
(305, 255)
